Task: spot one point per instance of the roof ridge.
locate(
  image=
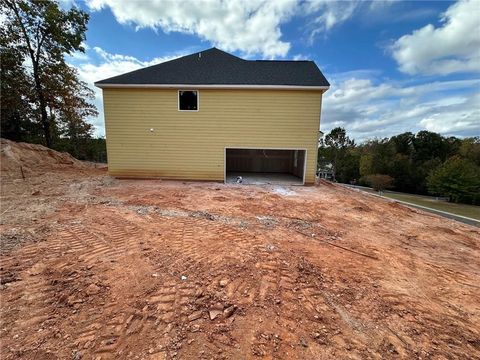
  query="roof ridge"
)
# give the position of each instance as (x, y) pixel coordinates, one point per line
(286, 60)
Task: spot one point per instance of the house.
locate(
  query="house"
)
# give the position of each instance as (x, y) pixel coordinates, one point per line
(214, 116)
(325, 171)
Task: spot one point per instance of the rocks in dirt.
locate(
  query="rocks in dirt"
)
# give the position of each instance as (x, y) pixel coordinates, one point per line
(195, 316)
(220, 310)
(72, 301)
(202, 214)
(13, 237)
(214, 314)
(270, 247)
(143, 210)
(320, 337)
(223, 282)
(267, 221)
(215, 311)
(303, 342)
(92, 289)
(9, 278)
(229, 311)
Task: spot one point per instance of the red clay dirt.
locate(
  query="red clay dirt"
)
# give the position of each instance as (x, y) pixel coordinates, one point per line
(98, 268)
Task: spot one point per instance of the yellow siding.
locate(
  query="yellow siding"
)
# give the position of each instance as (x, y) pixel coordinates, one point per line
(190, 145)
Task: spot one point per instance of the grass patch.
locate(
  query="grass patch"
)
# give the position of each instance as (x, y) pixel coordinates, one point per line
(470, 211)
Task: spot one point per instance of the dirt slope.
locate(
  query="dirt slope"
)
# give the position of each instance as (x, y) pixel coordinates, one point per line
(111, 269)
(33, 159)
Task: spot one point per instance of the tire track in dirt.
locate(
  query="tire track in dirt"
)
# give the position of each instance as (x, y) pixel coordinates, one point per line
(66, 251)
(286, 288)
(32, 295)
(173, 301)
(201, 246)
(111, 334)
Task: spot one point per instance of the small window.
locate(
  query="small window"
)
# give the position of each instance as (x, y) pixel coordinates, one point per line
(188, 100)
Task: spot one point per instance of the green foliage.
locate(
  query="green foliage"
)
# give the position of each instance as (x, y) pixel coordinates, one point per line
(45, 97)
(470, 149)
(403, 143)
(379, 182)
(429, 145)
(338, 149)
(84, 148)
(366, 165)
(457, 178)
(16, 112)
(407, 158)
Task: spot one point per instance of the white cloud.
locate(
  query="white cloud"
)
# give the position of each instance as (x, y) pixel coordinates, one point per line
(67, 4)
(451, 48)
(459, 117)
(329, 14)
(298, 57)
(252, 27)
(367, 108)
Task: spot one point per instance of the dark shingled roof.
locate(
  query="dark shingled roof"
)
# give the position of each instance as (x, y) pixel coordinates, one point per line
(216, 67)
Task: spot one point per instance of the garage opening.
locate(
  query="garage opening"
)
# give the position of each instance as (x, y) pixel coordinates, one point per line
(265, 166)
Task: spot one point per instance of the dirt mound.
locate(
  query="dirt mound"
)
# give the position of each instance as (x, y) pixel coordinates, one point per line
(31, 159)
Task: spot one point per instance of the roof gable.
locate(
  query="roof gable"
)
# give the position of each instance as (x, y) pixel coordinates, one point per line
(216, 67)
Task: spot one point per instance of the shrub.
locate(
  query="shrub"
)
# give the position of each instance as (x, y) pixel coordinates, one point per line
(457, 178)
(379, 182)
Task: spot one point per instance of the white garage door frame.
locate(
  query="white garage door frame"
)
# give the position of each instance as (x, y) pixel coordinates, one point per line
(261, 148)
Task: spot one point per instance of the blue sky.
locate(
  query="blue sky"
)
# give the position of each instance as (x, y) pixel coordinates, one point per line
(394, 66)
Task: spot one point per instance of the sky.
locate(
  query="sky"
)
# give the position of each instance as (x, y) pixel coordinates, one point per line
(393, 66)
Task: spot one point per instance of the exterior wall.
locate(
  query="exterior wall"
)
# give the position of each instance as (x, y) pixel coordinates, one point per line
(190, 145)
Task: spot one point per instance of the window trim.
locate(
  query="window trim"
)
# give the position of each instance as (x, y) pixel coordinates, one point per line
(178, 100)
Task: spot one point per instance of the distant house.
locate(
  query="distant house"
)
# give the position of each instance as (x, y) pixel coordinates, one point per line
(214, 116)
(325, 171)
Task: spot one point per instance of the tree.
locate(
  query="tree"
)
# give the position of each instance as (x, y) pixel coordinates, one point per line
(335, 148)
(415, 163)
(470, 149)
(403, 143)
(68, 100)
(403, 171)
(380, 182)
(16, 111)
(429, 145)
(42, 33)
(457, 178)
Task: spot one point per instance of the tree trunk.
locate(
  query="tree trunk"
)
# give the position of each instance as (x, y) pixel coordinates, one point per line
(38, 85)
(43, 109)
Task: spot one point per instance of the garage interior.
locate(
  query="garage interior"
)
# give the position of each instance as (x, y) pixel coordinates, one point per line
(265, 166)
